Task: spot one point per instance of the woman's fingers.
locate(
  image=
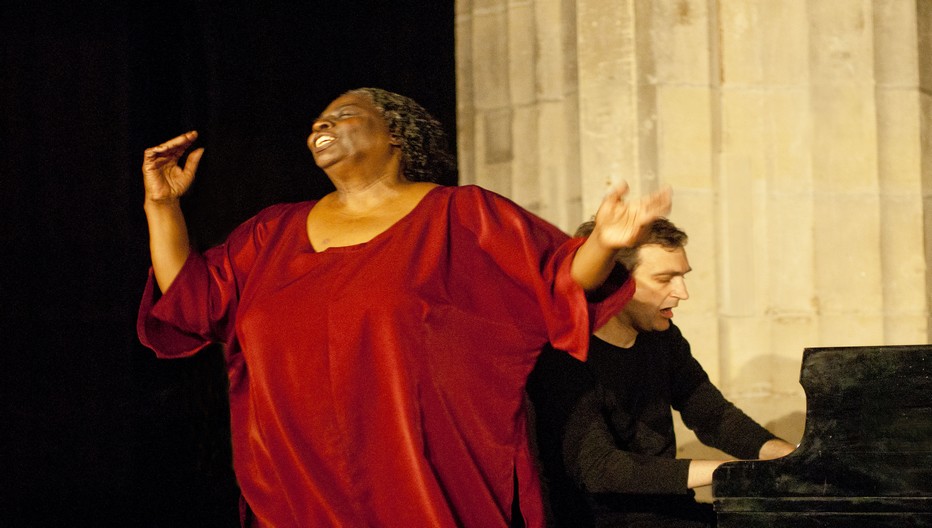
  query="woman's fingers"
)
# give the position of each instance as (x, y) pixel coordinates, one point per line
(172, 147)
(194, 158)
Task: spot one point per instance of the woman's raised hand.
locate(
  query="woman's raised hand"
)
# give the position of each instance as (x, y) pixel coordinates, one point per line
(163, 178)
(619, 223)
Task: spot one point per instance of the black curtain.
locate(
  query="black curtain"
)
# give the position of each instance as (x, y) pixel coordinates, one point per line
(94, 429)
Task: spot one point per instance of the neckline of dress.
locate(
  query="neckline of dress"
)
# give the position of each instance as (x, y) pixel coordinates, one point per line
(355, 247)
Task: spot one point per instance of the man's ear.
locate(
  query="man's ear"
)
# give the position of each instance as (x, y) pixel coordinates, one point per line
(395, 141)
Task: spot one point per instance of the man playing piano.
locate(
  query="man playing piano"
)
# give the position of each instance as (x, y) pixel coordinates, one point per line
(604, 428)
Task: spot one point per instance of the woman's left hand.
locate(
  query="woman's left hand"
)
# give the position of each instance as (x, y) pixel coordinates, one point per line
(619, 223)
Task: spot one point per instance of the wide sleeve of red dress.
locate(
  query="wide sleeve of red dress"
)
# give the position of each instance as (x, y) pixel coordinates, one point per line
(199, 307)
(539, 255)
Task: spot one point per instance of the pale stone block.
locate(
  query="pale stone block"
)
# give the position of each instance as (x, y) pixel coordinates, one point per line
(608, 141)
(684, 141)
(490, 60)
(924, 43)
(790, 253)
(906, 330)
(465, 107)
(570, 189)
(787, 139)
(740, 339)
(764, 43)
(701, 330)
(644, 174)
(851, 330)
(479, 156)
(498, 135)
(679, 33)
(479, 175)
(895, 41)
(902, 255)
(739, 260)
(466, 145)
(556, 49)
(741, 29)
(783, 413)
(789, 336)
(463, 48)
(925, 137)
(927, 193)
(484, 6)
(496, 178)
(694, 213)
(784, 35)
(898, 139)
(927, 223)
(757, 374)
(605, 32)
(558, 148)
(742, 126)
(847, 254)
(526, 185)
(608, 98)
(573, 210)
(844, 138)
(462, 8)
(841, 41)
(522, 56)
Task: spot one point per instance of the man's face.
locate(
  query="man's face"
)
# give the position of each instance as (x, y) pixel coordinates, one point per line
(661, 285)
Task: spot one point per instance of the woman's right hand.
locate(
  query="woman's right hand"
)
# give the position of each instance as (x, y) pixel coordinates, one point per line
(164, 180)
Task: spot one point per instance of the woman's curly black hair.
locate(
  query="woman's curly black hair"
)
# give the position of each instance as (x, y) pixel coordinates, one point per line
(425, 152)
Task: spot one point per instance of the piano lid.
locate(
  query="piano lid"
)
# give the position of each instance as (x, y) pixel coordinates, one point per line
(868, 430)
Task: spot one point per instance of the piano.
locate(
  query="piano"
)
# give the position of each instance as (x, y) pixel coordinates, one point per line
(865, 458)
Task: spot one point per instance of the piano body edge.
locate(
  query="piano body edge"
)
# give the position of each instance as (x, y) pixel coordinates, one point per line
(865, 459)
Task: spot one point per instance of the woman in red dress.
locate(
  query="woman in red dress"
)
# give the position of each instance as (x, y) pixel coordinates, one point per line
(378, 340)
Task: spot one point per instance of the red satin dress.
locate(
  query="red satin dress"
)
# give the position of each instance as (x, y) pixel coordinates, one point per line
(382, 384)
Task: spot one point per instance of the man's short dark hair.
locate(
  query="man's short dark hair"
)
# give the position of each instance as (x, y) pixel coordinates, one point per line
(660, 232)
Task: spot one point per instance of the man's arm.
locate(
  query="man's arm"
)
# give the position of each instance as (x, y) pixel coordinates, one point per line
(715, 420)
(597, 465)
(700, 472)
(575, 438)
(704, 409)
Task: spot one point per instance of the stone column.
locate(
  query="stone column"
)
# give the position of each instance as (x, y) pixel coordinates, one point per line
(517, 99)
(924, 37)
(797, 135)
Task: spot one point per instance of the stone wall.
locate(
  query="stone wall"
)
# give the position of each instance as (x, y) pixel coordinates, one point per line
(797, 136)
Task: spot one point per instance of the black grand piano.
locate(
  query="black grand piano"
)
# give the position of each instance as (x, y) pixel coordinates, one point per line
(865, 459)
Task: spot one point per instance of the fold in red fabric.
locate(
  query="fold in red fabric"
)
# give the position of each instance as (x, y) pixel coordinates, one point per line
(382, 384)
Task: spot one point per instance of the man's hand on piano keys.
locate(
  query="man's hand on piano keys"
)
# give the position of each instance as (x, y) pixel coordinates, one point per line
(700, 472)
(775, 448)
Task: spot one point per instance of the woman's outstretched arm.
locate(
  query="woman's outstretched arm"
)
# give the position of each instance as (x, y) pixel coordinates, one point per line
(618, 224)
(165, 182)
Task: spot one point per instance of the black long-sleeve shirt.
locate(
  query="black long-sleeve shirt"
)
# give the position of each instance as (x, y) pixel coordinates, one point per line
(605, 427)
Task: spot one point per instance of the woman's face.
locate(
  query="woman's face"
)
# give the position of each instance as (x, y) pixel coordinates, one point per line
(350, 129)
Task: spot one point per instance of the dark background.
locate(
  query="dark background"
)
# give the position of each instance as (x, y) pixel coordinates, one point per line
(94, 429)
